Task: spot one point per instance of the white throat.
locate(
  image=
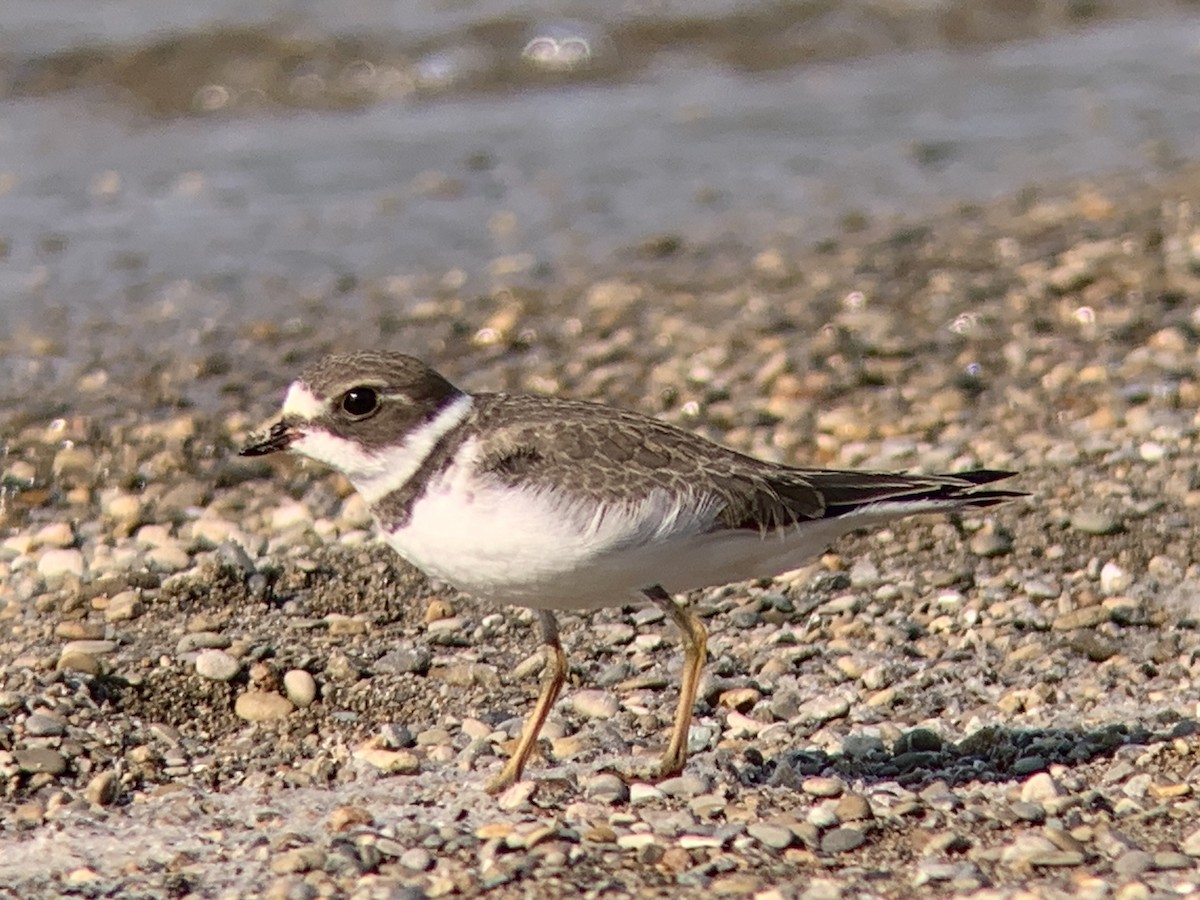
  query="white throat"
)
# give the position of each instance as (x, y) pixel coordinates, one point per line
(376, 473)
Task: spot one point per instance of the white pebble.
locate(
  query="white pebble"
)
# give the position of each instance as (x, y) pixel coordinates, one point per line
(216, 665)
(300, 687)
(57, 563)
(1114, 579)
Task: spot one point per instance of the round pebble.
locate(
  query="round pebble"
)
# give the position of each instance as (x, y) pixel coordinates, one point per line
(300, 687)
(217, 665)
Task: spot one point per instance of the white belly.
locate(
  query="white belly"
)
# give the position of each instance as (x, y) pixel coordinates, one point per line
(537, 550)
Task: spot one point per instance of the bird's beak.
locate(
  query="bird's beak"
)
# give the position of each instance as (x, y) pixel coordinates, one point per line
(278, 436)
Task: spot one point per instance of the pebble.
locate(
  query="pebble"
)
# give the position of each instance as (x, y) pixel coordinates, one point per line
(261, 706)
(56, 534)
(103, 789)
(395, 762)
(45, 725)
(40, 759)
(124, 607)
(823, 787)
(853, 808)
(595, 704)
(59, 563)
(300, 687)
(1094, 523)
(842, 840)
(824, 709)
(77, 661)
(217, 665)
(606, 787)
(417, 859)
(774, 836)
(1114, 579)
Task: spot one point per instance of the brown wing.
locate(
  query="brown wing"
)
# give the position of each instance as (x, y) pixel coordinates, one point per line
(609, 455)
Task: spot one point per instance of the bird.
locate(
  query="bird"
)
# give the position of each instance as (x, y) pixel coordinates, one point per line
(561, 504)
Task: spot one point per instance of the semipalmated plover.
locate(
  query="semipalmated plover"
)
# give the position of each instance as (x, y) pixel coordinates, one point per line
(563, 504)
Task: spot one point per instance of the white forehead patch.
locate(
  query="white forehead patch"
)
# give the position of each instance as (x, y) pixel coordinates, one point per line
(302, 403)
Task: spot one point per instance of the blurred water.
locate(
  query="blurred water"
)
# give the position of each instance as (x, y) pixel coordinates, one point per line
(105, 209)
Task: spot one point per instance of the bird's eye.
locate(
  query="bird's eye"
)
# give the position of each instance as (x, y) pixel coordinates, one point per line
(360, 401)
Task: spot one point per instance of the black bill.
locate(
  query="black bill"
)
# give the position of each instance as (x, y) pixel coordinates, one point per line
(278, 437)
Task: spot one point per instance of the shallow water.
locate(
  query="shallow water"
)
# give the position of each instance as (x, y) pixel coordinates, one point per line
(113, 209)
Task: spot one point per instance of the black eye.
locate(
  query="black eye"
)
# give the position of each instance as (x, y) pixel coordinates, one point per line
(360, 401)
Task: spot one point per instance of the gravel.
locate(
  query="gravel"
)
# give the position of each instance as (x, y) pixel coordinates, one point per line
(215, 682)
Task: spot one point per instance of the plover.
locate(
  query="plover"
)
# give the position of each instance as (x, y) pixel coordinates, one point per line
(553, 504)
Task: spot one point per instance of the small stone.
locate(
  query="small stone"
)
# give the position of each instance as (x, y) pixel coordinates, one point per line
(45, 725)
(77, 661)
(346, 817)
(1040, 788)
(1133, 863)
(1089, 522)
(103, 789)
(404, 661)
(40, 760)
(124, 607)
(823, 787)
(639, 792)
(607, 788)
(393, 762)
(516, 796)
(96, 648)
(989, 543)
(842, 840)
(594, 704)
(217, 665)
(300, 687)
(417, 859)
(59, 563)
(774, 836)
(1029, 812)
(261, 706)
(1191, 844)
(1084, 617)
(1114, 579)
(168, 558)
(824, 709)
(854, 808)
(740, 699)
(56, 534)
(635, 841)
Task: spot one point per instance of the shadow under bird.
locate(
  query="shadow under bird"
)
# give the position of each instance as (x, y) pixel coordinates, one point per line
(563, 504)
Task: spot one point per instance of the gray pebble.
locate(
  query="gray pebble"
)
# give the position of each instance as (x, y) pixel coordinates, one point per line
(417, 859)
(45, 725)
(842, 840)
(1133, 863)
(403, 661)
(202, 640)
(774, 836)
(40, 760)
(607, 788)
(217, 665)
(1029, 812)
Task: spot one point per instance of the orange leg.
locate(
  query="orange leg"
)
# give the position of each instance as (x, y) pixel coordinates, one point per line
(556, 674)
(695, 650)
